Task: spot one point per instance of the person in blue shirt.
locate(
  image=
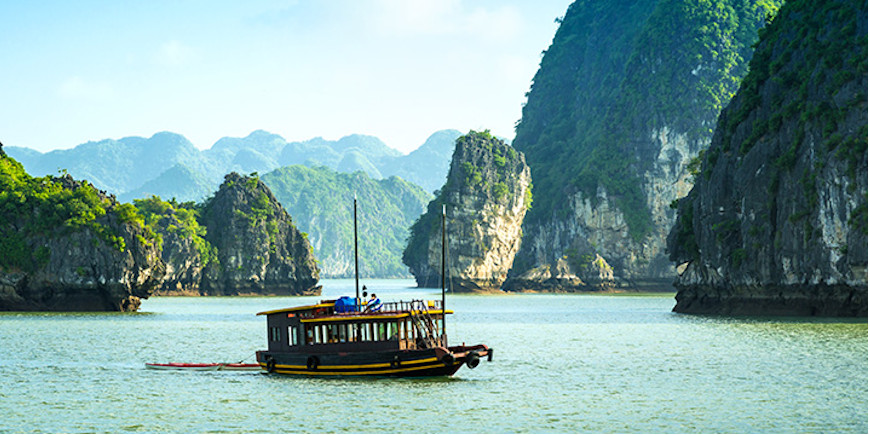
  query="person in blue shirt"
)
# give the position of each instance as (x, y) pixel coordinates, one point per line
(374, 304)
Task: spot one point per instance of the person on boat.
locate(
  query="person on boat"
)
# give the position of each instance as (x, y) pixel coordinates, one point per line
(374, 304)
(361, 303)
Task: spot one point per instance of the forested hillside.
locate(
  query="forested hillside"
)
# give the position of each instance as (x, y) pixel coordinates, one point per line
(65, 246)
(626, 95)
(321, 203)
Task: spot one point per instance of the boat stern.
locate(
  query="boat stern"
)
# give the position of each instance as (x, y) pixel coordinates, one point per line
(468, 355)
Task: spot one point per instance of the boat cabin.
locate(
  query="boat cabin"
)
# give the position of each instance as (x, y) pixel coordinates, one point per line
(344, 326)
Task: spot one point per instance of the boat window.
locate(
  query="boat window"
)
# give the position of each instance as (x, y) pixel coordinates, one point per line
(366, 330)
(409, 331)
(274, 334)
(352, 332)
(309, 335)
(382, 331)
(332, 333)
(291, 332)
(342, 333)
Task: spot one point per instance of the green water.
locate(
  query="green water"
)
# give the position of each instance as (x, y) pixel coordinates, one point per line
(563, 363)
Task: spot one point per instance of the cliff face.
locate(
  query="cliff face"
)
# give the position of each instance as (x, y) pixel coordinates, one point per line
(68, 247)
(184, 264)
(183, 248)
(487, 194)
(777, 220)
(625, 97)
(259, 250)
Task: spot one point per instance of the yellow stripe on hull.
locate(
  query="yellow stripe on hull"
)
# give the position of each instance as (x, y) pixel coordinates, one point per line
(353, 367)
(299, 370)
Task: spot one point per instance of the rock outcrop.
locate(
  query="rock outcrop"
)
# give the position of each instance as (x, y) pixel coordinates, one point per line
(259, 250)
(625, 97)
(486, 195)
(776, 223)
(183, 248)
(184, 263)
(67, 246)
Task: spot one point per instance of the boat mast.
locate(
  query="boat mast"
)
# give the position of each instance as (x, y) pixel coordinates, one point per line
(356, 253)
(443, 273)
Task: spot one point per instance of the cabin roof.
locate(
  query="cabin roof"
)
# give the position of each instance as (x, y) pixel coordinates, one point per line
(328, 315)
(370, 316)
(322, 304)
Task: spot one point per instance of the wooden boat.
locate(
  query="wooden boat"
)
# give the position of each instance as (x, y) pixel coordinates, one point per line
(400, 340)
(341, 337)
(201, 366)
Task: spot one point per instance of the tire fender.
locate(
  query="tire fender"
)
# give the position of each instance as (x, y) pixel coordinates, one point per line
(312, 362)
(448, 359)
(472, 360)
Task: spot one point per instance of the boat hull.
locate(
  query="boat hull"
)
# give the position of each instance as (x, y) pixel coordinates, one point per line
(408, 363)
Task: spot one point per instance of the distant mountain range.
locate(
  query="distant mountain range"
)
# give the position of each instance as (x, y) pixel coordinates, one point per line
(168, 165)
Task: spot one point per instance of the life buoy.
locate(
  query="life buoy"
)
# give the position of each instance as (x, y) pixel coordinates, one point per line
(270, 364)
(448, 359)
(312, 363)
(472, 360)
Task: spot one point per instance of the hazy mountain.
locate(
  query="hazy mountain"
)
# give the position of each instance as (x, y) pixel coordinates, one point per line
(426, 166)
(133, 167)
(321, 203)
(116, 166)
(178, 182)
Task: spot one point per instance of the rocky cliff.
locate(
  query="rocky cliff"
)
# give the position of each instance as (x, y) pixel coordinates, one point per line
(259, 250)
(625, 97)
(67, 246)
(777, 220)
(486, 195)
(184, 250)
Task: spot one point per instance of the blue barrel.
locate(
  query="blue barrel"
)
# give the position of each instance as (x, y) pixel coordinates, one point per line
(345, 304)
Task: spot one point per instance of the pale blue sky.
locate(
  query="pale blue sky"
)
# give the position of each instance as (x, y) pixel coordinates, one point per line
(74, 71)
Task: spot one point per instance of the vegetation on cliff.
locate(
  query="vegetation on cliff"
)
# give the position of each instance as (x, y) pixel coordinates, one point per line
(64, 245)
(779, 211)
(184, 225)
(259, 249)
(49, 206)
(321, 202)
(487, 194)
(615, 73)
